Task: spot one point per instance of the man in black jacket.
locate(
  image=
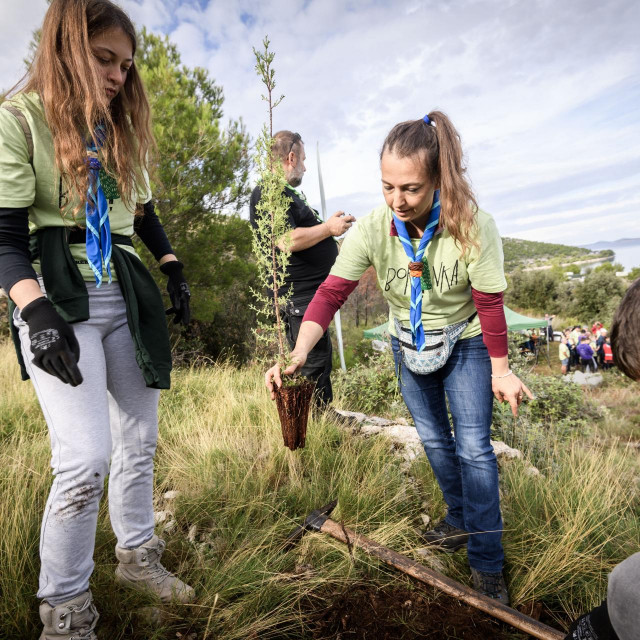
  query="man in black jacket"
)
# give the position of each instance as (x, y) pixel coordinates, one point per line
(313, 252)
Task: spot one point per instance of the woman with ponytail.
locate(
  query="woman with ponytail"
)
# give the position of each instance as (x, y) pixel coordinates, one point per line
(439, 263)
(88, 320)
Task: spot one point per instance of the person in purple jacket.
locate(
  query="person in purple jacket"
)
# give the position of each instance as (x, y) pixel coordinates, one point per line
(585, 353)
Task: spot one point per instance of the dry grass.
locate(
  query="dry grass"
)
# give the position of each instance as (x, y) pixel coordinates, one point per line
(241, 493)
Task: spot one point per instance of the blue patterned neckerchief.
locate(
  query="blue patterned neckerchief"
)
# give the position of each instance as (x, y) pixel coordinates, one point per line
(97, 213)
(419, 267)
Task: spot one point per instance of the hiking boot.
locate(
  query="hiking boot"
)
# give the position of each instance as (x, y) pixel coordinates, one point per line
(446, 537)
(491, 585)
(140, 568)
(74, 620)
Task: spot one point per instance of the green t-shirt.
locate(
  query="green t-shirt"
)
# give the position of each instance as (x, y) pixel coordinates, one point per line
(563, 352)
(40, 189)
(369, 243)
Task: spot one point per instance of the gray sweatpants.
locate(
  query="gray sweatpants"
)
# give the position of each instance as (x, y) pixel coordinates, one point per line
(623, 598)
(106, 425)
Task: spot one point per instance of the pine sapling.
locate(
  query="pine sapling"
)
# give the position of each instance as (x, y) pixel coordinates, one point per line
(273, 227)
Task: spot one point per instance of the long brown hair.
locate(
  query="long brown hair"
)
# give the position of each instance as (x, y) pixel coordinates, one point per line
(438, 145)
(65, 77)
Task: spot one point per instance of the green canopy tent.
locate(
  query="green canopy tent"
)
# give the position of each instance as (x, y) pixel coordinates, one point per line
(515, 322)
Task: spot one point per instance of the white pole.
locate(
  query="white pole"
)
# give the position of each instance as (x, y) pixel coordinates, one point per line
(336, 319)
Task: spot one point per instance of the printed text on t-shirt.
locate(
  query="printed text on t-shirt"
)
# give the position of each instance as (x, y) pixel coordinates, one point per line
(442, 277)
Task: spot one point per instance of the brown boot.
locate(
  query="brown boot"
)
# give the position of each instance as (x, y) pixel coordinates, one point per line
(74, 620)
(141, 569)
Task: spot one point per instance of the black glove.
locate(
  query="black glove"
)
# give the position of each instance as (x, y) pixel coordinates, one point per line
(178, 292)
(53, 342)
(594, 625)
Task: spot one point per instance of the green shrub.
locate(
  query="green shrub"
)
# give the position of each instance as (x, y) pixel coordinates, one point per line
(370, 386)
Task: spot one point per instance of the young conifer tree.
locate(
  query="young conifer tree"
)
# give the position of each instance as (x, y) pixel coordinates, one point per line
(272, 222)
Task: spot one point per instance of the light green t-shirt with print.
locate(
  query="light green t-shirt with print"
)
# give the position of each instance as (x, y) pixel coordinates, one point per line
(40, 189)
(449, 301)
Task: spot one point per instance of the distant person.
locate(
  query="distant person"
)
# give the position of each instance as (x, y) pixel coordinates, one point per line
(600, 342)
(430, 226)
(585, 353)
(575, 341)
(618, 617)
(608, 354)
(549, 319)
(564, 354)
(313, 251)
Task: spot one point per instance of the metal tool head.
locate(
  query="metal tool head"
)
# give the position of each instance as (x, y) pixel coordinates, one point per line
(313, 522)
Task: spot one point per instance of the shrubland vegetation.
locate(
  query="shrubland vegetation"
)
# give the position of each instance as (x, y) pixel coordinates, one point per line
(520, 253)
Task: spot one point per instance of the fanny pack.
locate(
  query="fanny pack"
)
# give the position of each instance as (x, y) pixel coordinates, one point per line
(438, 346)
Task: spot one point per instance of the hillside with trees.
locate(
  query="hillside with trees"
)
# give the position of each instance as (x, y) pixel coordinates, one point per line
(528, 253)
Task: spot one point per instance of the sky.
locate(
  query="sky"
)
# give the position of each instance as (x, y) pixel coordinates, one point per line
(545, 94)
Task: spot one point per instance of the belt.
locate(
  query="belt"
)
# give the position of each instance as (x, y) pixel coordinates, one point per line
(76, 235)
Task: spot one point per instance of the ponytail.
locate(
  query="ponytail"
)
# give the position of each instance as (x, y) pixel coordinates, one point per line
(435, 140)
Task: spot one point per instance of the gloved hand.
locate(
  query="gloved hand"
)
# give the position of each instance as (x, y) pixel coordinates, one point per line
(594, 625)
(178, 292)
(53, 342)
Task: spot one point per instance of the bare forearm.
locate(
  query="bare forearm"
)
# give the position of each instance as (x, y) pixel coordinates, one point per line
(304, 237)
(499, 366)
(308, 336)
(25, 291)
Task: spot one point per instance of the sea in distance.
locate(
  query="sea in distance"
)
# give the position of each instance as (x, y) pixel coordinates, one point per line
(628, 255)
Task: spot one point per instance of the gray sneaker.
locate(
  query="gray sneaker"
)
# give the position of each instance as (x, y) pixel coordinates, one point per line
(491, 585)
(74, 620)
(140, 568)
(446, 537)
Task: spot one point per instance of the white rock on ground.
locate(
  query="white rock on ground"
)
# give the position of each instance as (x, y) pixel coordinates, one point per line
(407, 442)
(503, 450)
(591, 379)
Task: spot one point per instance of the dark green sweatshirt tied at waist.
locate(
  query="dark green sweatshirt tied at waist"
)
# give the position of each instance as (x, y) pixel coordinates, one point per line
(67, 291)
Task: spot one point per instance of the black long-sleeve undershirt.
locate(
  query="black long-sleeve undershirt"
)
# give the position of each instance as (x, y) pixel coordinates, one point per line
(15, 260)
(150, 230)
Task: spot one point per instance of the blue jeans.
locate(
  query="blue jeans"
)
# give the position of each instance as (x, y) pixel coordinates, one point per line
(465, 465)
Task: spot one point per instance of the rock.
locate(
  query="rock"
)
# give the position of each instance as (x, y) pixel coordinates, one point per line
(426, 520)
(170, 526)
(380, 345)
(503, 450)
(431, 559)
(353, 415)
(193, 532)
(533, 472)
(584, 379)
(171, 495)
(161, 516)
(370, 430)
(382, 422)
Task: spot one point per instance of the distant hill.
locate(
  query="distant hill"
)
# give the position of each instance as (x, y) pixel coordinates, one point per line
(527, 253)
(622, 242)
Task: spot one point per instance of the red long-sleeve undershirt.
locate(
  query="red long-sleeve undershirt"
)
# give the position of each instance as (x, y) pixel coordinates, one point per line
(333, 292)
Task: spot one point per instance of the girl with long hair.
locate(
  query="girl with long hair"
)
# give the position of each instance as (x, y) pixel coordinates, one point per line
(439, 264)
(87, 318)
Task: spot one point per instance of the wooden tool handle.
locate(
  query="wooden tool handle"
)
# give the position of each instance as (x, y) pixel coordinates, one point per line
(429, 576)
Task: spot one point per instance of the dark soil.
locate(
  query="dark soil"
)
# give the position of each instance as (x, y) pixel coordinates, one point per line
(365, 612)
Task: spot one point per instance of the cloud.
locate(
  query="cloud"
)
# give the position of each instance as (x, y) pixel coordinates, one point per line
(543, 93)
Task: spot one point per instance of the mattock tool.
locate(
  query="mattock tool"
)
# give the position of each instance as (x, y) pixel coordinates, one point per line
(318, 520)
